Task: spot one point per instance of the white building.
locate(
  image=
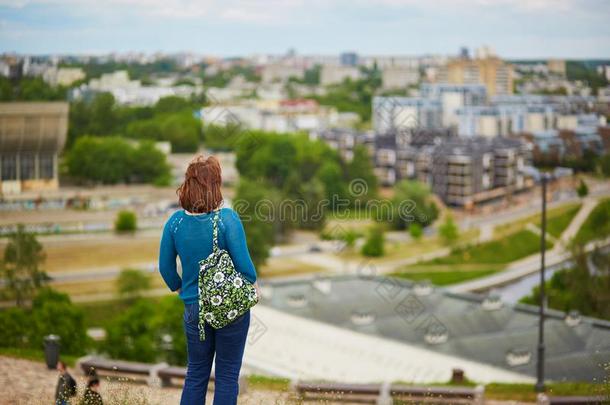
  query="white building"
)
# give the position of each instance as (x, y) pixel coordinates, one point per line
(453, 97)
(131, 92)
(283, 116)
(63, 76)
(398, 77)
(397, 113)
(281, 73)
(332, 74)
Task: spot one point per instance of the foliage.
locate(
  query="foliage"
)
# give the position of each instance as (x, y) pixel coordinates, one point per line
(579, 288)
(597, 225)
(505, 250)
(445, 277)
(260, 231)
(604, 165)
(113, 160)
(448, 231)
(54, 313)
(361, 168)
(374, 244)
(131, 283)
(412, 203)
(126, 221)
(131, 335)
(30, 89)
(353, 96)
(20, 267)
(582, 190)
(416, 231)
(51, 313)
(223, 77)
(148, 331)
(95, 67)
(171, 119)
(168, 322)
(578, 70)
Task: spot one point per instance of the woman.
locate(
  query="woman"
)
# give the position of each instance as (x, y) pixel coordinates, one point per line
(188, 234)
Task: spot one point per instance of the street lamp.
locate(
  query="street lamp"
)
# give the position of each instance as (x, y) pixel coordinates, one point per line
(540, 365)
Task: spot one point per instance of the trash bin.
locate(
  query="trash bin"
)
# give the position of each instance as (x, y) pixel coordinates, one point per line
(51, 350)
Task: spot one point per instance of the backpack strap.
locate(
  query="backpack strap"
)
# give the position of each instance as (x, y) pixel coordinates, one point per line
(215, 231)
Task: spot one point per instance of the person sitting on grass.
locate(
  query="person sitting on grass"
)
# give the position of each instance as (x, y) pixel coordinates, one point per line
(92, 396)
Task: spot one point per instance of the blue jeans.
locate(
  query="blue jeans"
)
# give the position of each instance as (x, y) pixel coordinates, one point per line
(227, 344)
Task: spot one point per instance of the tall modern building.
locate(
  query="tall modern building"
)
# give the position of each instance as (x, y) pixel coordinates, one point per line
(31, 137)
(490, 71)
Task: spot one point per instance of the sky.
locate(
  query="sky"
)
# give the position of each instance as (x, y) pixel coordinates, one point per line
(514, 28)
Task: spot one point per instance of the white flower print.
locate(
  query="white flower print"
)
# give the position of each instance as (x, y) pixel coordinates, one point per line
(219, 277)
(216, 300)
(232, 314)
(209, 316)
(237, 282)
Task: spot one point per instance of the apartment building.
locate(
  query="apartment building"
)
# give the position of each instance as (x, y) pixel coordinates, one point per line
(332, 74)
(401, 113)
(280, 73)
(31, 137)
(461, 171)
(503, 120)
(490, 71)
(399, 77)
(453, 97)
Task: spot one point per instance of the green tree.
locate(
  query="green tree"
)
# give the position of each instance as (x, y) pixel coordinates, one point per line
(448, 231)
(361, 167)
(131, 335)
(20, 268)
(331, 176)
(100, 160)
(126, 221)
(604, 164)
(412, 202)
(172, 104)
(168, 323)
(374, 244)
(132, 283)
(53, 313)
(113, 160)
(14, 328)
(582, 190)
(149, 165)
(416, 231)
(258, 224)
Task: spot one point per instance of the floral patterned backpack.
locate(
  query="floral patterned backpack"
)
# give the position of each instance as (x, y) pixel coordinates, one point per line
(224, 293)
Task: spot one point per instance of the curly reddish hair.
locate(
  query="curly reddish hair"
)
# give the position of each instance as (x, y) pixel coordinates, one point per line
(200, 191)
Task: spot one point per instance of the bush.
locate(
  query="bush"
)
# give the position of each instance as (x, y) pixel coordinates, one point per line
(412, 203)
(54, 313)
(51, 313)
(130, 336)
(131, 283)
(416, 231)
(582, 190)
(448, 231)
(126, 221)
(374, 245)
(112, 160)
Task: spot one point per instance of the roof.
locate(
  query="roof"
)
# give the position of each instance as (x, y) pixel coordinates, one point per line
(470, 327)
(33, 127)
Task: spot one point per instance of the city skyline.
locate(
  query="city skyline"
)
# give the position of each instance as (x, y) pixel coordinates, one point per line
(563, 29)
